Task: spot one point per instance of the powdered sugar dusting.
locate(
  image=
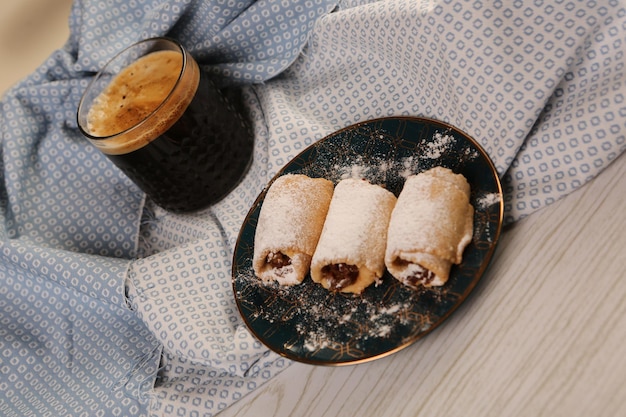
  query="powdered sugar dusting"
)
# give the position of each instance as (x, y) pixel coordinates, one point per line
(334, 318)
(438, 146)
(307, 322)
(385, 168)
(487, 200)
(408, 167)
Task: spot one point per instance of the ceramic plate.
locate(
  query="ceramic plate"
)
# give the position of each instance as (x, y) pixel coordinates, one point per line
(309, 324)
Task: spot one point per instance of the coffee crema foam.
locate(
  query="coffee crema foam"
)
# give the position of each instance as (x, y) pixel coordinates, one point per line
(116, 115)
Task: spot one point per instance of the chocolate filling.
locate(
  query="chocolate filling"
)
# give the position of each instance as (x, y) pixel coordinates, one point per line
(421, 276)
(277, 260)
(424, 277)
(340, 276)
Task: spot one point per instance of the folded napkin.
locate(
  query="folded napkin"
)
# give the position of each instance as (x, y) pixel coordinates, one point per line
(111, 305)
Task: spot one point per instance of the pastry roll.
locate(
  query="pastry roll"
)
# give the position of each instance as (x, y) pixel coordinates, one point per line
(289, 226)
(350, 254)
(430, 227)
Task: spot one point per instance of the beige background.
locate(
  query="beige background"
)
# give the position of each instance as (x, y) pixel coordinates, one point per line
(30, 30)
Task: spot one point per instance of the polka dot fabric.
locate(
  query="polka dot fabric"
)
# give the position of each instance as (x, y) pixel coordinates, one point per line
(540, 87)
(70, 343)
(112, 306)
(239, 41)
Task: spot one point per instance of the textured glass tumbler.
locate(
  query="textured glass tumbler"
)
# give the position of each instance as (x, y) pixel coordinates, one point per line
(164, 123)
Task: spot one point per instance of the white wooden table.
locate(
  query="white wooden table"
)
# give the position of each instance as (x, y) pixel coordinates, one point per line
(543, 334)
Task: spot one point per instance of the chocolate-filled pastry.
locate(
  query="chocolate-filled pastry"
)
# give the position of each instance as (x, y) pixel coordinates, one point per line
(289, 226)
(350, 253)
(430, 227)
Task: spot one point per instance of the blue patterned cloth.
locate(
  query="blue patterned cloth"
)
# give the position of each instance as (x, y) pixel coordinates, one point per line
(111, 306)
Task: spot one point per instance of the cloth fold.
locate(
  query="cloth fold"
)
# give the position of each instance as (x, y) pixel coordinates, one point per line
(71, 220)
(125, 309)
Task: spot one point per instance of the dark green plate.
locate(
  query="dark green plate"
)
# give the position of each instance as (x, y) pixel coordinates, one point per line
(309, 324)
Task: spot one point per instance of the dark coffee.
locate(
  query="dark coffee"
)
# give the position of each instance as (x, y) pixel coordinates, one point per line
(165, 124)
(198, 160)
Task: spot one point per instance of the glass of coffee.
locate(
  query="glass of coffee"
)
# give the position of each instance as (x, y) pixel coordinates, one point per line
(165, 124)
